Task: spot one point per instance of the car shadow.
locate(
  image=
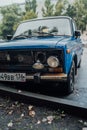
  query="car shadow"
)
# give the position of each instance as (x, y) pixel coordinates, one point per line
(49, 89)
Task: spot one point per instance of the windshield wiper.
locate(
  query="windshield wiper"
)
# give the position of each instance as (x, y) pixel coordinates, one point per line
(20, 36)
(44, 33)
(41, 34)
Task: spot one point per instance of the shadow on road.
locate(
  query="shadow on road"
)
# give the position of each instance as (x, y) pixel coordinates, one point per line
(50, 89)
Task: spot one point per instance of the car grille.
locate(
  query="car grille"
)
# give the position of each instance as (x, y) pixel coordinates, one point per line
(15, 57)
(24, 59)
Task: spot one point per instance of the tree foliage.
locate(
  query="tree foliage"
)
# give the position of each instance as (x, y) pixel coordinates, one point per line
(48, 9)
(85, 11)
(54, 10)
(29, 15)
(71, 11)
(11, 16)
(78, 11)
(30, 5)
(30, 9)
(85, 3)
(60, 7)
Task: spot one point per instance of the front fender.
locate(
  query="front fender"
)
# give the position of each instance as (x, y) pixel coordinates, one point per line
(68, 60)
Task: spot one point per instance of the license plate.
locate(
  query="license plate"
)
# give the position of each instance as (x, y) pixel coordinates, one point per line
(17, 77)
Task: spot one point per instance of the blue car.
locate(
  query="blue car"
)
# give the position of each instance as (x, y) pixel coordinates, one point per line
(47, 49)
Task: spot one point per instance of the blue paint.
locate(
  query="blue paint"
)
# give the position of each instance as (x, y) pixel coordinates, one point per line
(47, 42)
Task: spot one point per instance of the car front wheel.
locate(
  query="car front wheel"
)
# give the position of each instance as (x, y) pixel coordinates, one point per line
(70, 79)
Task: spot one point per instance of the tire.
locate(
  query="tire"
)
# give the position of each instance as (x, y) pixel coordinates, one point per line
(70, 79)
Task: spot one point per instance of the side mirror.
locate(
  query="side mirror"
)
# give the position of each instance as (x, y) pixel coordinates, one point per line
(77, 33)
(9, 37)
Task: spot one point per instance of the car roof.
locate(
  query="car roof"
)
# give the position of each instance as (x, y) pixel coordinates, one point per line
(44, 18)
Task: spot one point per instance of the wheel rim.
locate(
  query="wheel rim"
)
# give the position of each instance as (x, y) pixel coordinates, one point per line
(72, 77)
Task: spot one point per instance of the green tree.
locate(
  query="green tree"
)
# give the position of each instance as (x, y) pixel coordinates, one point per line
(11, 16)
(30, 5)
(29, 15)
(78, 11)
(85, 11)
(85, 3)
(80, 14)
(71, 11)
(60, 7)
(48, 9)
(30, 10)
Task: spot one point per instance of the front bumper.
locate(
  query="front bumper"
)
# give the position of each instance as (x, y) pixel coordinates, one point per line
(47, 77)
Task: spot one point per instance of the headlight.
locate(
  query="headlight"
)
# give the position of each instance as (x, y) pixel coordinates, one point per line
(53, 61)
(38, 65)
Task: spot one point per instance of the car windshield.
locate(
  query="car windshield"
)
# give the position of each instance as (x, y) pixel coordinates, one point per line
(44, 27)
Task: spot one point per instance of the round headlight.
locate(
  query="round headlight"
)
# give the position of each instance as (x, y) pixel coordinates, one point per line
(53, 61)
(38, 65)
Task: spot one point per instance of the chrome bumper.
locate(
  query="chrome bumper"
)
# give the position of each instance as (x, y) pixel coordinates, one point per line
(48, 77)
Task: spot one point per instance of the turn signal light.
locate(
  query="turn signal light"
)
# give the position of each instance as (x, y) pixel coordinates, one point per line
(56, 70)
(68, 51)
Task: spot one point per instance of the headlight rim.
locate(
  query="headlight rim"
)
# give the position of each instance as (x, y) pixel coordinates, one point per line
(53, 58)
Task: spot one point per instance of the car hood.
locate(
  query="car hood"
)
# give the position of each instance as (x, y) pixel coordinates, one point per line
(52, 42)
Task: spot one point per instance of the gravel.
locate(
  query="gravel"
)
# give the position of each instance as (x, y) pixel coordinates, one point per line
(16, 115)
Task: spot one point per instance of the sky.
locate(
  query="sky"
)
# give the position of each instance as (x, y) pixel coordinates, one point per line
(7, 2)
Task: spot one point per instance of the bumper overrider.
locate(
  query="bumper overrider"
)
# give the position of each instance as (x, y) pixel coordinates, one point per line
(37, 77)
